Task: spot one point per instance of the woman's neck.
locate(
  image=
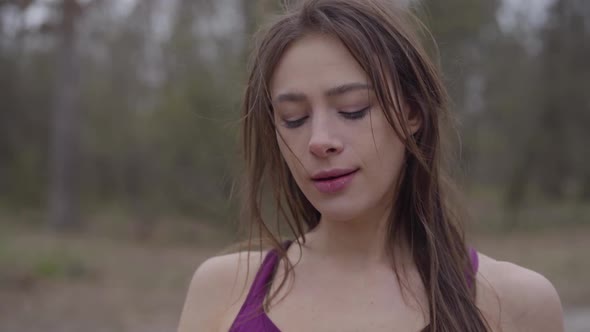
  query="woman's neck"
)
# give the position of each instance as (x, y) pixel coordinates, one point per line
(356, 242)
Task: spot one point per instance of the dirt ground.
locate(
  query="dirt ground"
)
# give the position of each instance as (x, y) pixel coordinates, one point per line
(110, 285)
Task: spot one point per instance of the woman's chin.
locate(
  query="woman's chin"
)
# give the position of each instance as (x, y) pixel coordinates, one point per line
(345, 211)
(343, 214)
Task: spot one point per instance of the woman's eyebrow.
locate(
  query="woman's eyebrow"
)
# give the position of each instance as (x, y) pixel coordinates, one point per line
(335, 91)
(294, 97)
(345, 88)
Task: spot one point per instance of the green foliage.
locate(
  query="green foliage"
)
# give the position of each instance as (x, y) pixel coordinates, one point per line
(58, 265)
(22, 267)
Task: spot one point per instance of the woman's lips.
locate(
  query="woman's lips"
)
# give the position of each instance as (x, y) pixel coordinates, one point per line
(331, 185)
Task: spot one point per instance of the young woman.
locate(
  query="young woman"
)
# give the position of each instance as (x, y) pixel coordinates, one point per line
(343, 119)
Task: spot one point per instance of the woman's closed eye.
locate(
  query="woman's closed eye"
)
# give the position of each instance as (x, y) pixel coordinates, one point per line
(295, 123)
(356, 115)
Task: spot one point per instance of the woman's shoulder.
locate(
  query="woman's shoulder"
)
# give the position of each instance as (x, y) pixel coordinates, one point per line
(217, 289)
(514, 298)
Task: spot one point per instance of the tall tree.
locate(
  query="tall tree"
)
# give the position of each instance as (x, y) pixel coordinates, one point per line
(64, 164)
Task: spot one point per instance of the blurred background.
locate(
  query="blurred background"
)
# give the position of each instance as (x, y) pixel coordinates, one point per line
(118, 131)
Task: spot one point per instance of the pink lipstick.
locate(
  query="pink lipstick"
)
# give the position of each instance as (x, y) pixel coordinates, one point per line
(333, 181)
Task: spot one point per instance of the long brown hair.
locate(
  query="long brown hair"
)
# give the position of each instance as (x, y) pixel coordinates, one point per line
(382, 38)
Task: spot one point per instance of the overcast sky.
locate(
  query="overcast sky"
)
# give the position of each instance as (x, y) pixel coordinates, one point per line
(533, 12)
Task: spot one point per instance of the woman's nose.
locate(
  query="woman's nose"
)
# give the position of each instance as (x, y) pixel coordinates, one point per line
(323, 142)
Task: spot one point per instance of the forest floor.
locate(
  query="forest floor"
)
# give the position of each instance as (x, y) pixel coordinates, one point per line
(64, 283)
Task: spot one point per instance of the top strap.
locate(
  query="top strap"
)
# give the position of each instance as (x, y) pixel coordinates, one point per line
(262, 280)
(474, 260)
(260, 284)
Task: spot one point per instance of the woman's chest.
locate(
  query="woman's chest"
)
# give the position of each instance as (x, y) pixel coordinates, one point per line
(345, 305)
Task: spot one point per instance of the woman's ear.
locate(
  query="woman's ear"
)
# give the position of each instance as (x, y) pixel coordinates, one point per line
(413, 118)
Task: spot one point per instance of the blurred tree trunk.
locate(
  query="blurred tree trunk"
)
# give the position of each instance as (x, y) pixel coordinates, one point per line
(138, 180)
(65, 124)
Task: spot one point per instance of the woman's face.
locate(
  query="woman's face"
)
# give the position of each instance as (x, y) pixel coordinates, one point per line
(342, 152)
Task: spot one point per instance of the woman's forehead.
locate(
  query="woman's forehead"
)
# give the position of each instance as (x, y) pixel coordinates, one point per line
(317, 63)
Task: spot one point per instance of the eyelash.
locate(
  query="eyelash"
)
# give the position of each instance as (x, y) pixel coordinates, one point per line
(357, 115)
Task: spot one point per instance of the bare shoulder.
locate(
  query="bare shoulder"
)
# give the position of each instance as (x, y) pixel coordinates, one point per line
(514, 298)
(217, 289)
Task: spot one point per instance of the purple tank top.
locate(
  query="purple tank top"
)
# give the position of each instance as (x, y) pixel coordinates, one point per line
(252, 316)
